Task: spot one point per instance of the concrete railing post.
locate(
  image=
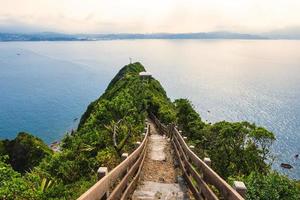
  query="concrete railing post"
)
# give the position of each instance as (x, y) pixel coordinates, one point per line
(171, 128)
(137, 144)
(207, 161)
(124, 156)
(240, 187)
(101, 172)
(192, 149)
(171, 131)
(174, 131)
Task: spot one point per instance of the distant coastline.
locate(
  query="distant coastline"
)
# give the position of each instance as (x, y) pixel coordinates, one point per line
(51, 36)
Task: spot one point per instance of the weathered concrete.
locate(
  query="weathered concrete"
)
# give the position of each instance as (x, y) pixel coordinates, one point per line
(157, 146)
(152, 190)
(159, 179)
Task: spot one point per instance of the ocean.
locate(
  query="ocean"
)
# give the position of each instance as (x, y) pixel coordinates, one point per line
(46, 86)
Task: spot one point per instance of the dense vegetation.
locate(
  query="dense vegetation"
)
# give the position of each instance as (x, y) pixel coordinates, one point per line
(25, 151)
(113, 123)
(239, 151)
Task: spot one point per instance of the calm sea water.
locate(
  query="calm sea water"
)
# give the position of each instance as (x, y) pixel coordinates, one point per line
(46, 86)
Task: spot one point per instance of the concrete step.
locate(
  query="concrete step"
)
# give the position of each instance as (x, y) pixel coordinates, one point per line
(157, 146)
(149, 190)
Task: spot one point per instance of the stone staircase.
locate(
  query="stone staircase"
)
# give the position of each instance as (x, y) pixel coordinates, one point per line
(159, 178)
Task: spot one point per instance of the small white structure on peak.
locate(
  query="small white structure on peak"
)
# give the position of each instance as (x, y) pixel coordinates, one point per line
(145, 74)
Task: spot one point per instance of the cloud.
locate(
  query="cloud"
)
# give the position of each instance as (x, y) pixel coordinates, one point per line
(139, 16)
(9, 24)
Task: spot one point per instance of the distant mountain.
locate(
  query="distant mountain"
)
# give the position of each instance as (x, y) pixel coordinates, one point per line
(51, 36)
(45, 36)
(286, 33)
(202, 35)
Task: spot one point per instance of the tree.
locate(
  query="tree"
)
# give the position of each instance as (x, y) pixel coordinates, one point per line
(189, 120)
(234, 148)
(25, 151)
(263, 139)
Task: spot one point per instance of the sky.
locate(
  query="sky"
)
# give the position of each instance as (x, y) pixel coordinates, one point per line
(148, 16)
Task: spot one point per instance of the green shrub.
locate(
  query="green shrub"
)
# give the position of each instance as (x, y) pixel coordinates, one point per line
(25, 151)
(12, 185)
(271, 186)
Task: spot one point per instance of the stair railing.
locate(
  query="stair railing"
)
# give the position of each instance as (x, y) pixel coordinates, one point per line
(122, 179)
(201, 179)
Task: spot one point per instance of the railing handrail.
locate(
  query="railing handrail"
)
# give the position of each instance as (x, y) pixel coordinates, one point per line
(98, 190)
(210, 175)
